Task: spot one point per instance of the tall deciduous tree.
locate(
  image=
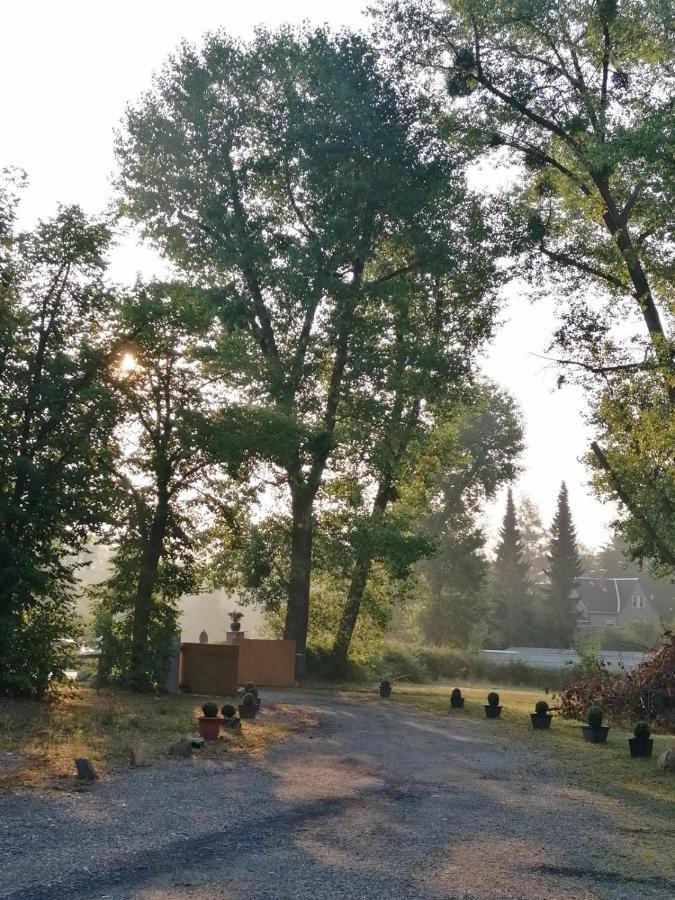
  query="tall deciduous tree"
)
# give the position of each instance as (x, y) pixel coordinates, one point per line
(489, 441)
(583, 95)
(564, 572)
(511, 589)
(164, 475)
(56, 321)
(412, 378)
(296, 180)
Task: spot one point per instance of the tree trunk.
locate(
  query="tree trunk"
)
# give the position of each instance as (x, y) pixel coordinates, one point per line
(350, 613)
(297, 611)
(151, 554)
(360, 573)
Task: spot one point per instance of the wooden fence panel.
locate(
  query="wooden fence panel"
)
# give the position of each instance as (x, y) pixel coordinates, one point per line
(209, 668)
(267, 663)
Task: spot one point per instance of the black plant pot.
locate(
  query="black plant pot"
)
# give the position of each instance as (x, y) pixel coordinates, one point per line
(457, 703)
(595, 734)
(247, 711)
(640, 747)
(541, 721)
(235, 626)
(492, 712)
(385, 691)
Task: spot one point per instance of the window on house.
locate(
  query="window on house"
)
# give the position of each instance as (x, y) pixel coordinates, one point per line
(638, 602)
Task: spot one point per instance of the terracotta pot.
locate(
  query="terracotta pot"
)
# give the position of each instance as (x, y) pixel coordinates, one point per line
(209, 728)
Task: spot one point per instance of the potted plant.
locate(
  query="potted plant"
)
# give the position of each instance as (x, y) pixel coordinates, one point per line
(595, 732)
(248, 708)
(209, 723)
(492, 709)
(235, 619)
(231, 721)
(541, 717)
(642, 744)
(456, 699)
(250, 688)
(385, 688)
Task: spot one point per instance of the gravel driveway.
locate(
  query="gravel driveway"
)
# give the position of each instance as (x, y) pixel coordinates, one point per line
(378, 801)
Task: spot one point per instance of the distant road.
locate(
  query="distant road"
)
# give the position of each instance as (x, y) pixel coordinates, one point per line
(546, 658)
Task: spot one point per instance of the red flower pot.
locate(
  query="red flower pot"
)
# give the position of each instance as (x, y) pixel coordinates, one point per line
(209, 728)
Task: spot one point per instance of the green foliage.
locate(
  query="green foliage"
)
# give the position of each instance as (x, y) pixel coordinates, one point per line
(563, 574)
(210, 709)
(484, 449)
(166, 480)
(318, 204)
(456, 694)
(493, 699)
(594, 717)
(541, 707)
(642, 731)
(56, 341)
(582, 94)
(228, 711)
(511, 590)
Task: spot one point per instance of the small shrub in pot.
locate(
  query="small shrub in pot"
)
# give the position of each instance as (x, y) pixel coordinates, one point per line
(594, 731)
(541, 717)
(209, 722)
(385, 688)
(641, 744)
(248, 707)
(250, 688)
(456, 699)
(492, 709)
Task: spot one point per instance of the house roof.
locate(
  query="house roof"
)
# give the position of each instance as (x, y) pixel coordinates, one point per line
(607, 595)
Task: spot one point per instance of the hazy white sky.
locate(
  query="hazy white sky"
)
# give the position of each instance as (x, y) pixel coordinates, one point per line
(67, 69)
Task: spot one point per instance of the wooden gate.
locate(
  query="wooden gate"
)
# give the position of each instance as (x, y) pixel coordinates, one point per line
(209, 669)
(267, 663)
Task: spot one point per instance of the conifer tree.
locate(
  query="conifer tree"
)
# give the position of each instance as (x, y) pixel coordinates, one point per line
(511, 591)
(564, 572)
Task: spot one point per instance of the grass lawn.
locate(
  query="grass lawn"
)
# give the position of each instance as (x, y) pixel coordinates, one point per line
(38, 741)
(606, 768)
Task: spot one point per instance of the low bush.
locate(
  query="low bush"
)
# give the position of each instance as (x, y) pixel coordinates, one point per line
(642, 731)
(493, 698)
(210, 709)
(541, 708)
(423, 664)
(403, 662)
(646, 692)
(594, 717)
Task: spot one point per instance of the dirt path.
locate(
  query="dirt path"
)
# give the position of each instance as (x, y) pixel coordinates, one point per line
(377, 802)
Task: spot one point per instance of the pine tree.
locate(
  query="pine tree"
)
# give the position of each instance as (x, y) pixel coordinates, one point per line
(511, 591)
(564, 572)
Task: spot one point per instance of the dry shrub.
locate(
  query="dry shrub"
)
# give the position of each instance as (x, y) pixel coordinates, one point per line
(646, 692)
